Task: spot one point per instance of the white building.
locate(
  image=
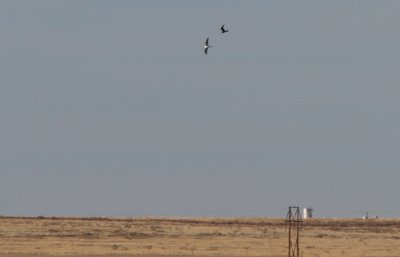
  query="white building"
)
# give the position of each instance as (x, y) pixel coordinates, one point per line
(307, 213)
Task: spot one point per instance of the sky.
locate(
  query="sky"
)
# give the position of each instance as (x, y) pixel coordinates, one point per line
(111, 108)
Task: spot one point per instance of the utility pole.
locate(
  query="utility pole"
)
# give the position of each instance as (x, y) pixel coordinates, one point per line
(294, 221)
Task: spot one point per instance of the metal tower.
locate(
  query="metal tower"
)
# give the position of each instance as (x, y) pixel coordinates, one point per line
(294, 221)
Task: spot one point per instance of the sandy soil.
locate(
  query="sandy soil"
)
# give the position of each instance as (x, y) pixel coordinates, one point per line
(175, 237)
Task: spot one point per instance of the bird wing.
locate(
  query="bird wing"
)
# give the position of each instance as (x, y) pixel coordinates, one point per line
(207, 42)
(205, 50)
(222, 28)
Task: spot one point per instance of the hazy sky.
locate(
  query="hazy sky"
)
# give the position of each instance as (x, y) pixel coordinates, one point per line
(112, 108)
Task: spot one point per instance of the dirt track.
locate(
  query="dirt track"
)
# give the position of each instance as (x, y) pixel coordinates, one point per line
(194, 237)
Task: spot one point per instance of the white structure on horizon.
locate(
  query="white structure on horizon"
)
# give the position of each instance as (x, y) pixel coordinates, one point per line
(307, 213)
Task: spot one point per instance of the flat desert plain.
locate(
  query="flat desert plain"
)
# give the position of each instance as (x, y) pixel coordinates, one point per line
(211, 237)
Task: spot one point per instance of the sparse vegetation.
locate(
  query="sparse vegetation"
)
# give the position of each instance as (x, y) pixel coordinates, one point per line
(177, 237)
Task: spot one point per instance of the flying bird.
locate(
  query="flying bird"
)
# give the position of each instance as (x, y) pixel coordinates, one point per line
(206, 46)
(223, 30)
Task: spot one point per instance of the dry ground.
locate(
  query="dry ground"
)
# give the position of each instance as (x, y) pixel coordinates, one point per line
(176, 237)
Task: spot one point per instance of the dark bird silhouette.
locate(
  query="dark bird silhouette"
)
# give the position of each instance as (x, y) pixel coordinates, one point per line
(223, 30)
(206, 46)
